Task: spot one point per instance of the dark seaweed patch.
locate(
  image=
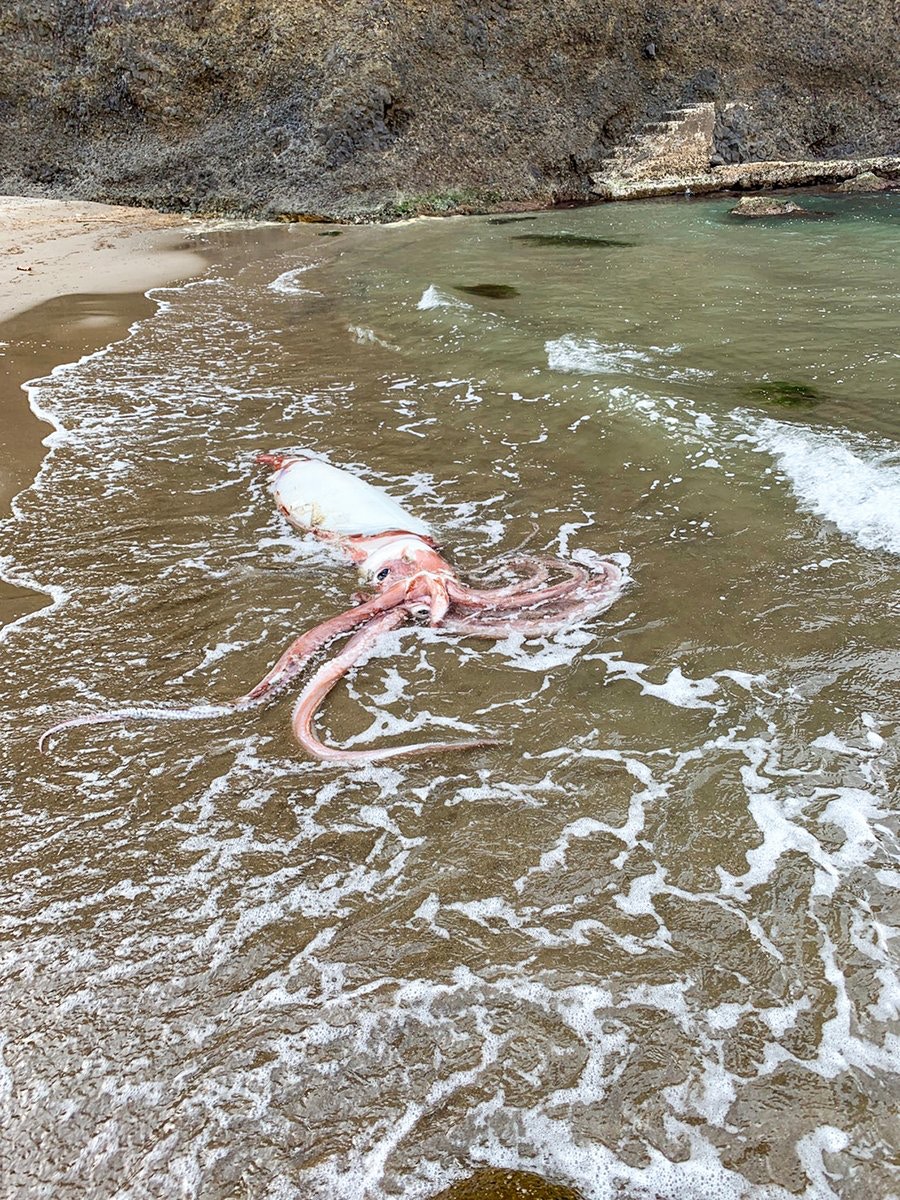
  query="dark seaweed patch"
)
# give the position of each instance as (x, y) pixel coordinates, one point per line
(493, 291)
(573, 239)
(786, 394)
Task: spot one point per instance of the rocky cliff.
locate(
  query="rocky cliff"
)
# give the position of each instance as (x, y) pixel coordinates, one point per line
(355, 107)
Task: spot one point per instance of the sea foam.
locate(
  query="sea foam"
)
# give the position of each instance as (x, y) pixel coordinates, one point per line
(841, 479)
(433, 297)
(287, 282)
(590, 357)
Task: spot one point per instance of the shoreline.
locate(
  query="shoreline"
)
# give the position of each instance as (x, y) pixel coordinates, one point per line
(52, 248)
(671, 159)
(91, 265)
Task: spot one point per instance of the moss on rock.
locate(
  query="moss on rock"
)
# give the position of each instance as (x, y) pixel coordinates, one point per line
(497, 1183)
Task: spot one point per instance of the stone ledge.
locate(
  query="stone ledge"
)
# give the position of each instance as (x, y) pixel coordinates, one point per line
(748, 176)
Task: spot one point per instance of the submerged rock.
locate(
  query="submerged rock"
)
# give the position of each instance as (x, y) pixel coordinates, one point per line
(786, 394)
(493, 291)
(866, 181)
(572, 239)
(496, 1183)
(767, 206)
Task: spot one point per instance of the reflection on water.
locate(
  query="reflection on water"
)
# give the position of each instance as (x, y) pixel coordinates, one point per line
(641, 946)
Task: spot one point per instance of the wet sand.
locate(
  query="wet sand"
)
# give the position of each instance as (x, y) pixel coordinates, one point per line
(72, 279)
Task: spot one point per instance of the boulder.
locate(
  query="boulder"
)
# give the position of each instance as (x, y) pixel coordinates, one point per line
(866, 181)
(767, 206)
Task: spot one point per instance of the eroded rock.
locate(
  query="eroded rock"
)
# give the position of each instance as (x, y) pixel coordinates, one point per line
(303, 106)
(767, 206)
(866, 181)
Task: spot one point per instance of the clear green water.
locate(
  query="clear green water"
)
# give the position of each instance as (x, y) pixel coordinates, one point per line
(643, 945)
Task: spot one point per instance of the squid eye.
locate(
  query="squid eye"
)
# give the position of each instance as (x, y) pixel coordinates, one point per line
(383, 574)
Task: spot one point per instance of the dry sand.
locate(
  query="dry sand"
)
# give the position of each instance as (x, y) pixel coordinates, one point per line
(58, 247)
(72, 279)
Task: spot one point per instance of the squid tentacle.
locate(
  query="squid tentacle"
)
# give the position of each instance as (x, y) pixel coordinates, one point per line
(539, 573)
(589, 600)
(297, 655)
(334, 670)
(414, 580)
(193, 712)
(288, 666)
(506, 598)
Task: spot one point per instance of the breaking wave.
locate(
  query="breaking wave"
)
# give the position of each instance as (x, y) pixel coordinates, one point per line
(840, 478)
(288, 282)
(433, 297)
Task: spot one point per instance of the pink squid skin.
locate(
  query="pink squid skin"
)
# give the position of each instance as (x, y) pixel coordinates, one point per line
(413, 582)
(334, 670)
(520, 597)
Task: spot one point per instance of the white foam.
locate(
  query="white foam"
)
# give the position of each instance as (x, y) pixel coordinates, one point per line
(202, 225)
(11, 572)
(211, 655)
(287, 282)
(676, 689)
(587, 356)
(841, 478)
(811, 1151)
(590, 357)
(433, 297)
(365, 336)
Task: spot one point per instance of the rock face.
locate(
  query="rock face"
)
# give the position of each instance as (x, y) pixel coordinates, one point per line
(400, 106)
(682, 154)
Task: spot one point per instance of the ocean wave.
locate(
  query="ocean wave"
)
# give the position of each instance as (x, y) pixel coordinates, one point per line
(841, 478)
(287, 284)
(587, 356)
(433, 297)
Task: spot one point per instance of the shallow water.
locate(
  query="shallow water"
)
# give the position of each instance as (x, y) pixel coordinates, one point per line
(644, 944)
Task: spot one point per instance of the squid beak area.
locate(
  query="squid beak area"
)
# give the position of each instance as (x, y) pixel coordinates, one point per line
(428, 599)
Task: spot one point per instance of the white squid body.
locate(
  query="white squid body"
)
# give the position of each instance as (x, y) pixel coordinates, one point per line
(319, 498)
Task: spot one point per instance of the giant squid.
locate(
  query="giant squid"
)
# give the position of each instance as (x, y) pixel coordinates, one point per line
(398, 558)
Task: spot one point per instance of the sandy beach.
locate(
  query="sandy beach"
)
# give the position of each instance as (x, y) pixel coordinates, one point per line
(72, 278)
(52, 248)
